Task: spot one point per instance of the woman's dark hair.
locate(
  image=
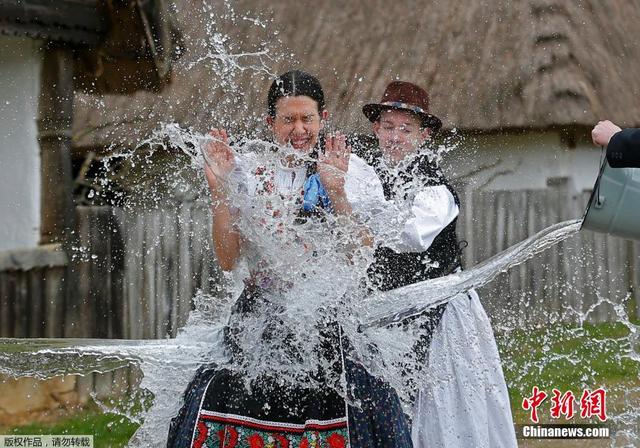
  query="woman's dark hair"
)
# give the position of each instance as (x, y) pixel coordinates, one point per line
(295, 83)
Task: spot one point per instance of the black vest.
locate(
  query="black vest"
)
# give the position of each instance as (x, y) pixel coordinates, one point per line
(392, 269)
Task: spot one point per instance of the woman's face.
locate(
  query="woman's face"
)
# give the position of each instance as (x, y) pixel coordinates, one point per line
(297, 122)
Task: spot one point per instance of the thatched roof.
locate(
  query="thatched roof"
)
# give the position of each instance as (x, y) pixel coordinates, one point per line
(76, 22)
(119, 46)
(489, 65)
(135, 52)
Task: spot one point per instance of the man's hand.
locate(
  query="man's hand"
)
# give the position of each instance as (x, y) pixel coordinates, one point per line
(219, 160)
(603, 131)
(334, 163)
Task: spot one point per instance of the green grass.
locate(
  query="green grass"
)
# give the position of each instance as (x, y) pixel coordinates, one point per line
(569, 358)
(108, 430)
(558, 356)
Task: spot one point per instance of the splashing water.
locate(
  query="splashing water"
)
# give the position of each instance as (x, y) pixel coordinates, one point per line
(309, 251)
(167, 365)
(310, 266)
(319, 265)
(382, 309)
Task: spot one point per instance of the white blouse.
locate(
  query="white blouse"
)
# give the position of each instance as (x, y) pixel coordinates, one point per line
(401, 227)
(287, 180)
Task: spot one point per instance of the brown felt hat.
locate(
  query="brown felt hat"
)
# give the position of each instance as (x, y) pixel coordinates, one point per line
(403, 95)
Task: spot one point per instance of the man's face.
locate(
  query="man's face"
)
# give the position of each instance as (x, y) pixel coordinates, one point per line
(297, 122)
(400, 134)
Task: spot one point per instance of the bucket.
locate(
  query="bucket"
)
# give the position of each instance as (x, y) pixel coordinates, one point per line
(614, 206)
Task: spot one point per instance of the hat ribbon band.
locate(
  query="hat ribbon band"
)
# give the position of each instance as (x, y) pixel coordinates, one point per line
(400, 105)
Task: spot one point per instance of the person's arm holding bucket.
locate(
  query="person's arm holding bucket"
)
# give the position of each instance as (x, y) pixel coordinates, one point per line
(623, 145)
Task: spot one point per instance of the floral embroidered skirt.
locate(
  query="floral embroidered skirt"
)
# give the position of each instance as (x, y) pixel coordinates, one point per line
(220, 411)
(270, 416)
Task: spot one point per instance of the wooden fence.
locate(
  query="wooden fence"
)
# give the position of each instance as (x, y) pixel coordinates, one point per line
(135, 274)
(138, 271)
(141, 269)
(32, 302)
(563, 283)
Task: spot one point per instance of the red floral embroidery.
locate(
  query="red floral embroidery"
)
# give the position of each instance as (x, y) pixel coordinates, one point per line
(255, 441)
(228, 437)
(283, 442)
(304, 443)
(335, 440)
(269, 186)
(202, 432)
(232, 440)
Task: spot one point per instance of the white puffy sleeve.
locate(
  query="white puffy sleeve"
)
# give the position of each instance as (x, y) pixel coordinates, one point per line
(363, 187)
(433, 209)
(403, 227)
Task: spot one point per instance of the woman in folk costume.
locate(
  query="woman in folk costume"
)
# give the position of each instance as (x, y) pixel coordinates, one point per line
(463, 400)
(222, 406)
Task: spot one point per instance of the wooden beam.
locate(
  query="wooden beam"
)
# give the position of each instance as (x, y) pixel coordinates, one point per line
(71, 21)
(49, 255)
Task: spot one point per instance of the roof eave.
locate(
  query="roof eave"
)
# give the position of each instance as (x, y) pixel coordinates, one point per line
(72, 22)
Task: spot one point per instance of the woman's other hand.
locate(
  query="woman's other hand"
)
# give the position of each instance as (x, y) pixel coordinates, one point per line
(334, 163)
(218, 165)
(219, 159)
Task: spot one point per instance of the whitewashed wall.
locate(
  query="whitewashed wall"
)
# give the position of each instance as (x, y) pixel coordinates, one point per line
(523, 161)
(20, 64)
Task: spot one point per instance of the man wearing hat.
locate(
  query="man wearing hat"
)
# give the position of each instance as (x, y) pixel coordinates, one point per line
(427, 246)
(465, 400)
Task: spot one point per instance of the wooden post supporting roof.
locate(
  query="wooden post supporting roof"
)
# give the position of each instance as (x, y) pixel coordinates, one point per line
(57, 208)
(108, 46)
(55, 116)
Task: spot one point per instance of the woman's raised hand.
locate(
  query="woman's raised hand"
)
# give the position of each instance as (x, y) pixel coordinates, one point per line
(334, 163)
(219, 160)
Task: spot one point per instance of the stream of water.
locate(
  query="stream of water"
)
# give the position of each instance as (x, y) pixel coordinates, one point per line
(317, 265)
(168, 364)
